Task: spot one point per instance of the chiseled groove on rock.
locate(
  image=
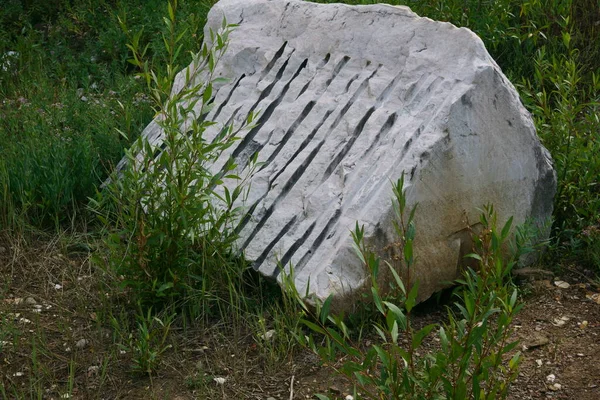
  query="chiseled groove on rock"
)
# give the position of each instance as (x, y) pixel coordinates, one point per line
(385, 128)
(321, 65)
(296, 175)
(303, 145)
(300, 171)
(383, 96)
(420, 98)
(227, 125)
(272, 244)
(336, 70)
(293, 248)
(290, 132)
(360, 126)
(305, 87)
(267, 91)
(224, 103)
(248, 215)
(350, 82)
(341, 154)
(409, 141)
(350, 102)
(415, 91)
(317, 242)
(271, 63)
(287, 187)
(266, 115)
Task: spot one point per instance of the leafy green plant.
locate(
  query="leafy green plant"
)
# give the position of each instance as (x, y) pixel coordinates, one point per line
(472, 359)
(169, 215)
(568, 124)
(147, 343)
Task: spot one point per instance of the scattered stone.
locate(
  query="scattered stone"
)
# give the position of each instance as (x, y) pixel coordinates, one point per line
(555, 387)
(583, 324)
(595, 297)
(560, 321)
(351, 97)
(81, 343)
(16, 301)
(219, 381)
(539, 362)
(268, 335)
(562, 284)
(334, 389)
(93, 370)
(538, 340)
(30, 301)
(551, 378)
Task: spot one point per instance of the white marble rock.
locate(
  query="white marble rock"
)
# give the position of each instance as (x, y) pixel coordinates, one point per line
(350, 97)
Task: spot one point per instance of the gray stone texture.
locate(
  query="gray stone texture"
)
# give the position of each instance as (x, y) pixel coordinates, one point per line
(349, 98)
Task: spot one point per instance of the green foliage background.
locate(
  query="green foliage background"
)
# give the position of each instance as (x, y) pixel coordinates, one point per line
(70, 90)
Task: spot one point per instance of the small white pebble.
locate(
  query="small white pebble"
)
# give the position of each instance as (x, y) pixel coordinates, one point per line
(58, 286)
(555, 386)
(349, 397)
(17, 374)
(550, 378)
(268, 335)
(539, 362)
(219, 381)
(81, 343)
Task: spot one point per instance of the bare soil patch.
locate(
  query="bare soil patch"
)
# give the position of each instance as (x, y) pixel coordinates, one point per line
(57, 342)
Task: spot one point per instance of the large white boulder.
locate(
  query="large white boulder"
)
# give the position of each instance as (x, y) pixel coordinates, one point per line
(350, 98)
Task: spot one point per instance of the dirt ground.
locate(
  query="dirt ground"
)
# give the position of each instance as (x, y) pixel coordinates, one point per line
(56, 341)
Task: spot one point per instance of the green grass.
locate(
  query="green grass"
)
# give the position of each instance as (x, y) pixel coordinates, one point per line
(67, 91)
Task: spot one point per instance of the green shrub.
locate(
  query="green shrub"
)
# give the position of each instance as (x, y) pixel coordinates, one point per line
(169, 216)
(472, 360)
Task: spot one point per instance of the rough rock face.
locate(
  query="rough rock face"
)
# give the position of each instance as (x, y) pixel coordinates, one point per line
(350, 97)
